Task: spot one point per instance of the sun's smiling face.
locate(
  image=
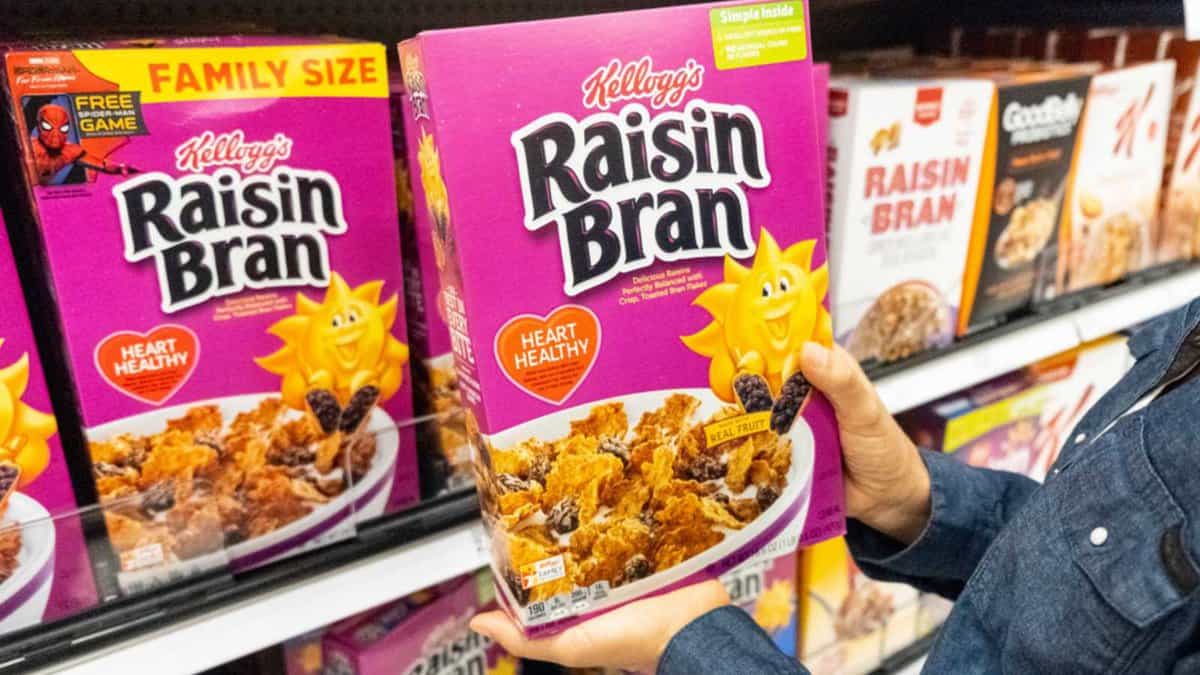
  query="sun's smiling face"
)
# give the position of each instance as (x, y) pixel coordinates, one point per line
(773, 311)
(345, 334)
(763, 315)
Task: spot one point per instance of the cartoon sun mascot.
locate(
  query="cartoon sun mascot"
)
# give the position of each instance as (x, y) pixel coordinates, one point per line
(762, 316)
(24, 431)
(436, 199)
(340, 345)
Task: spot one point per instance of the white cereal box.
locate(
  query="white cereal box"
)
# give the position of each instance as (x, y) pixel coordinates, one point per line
(904, 162)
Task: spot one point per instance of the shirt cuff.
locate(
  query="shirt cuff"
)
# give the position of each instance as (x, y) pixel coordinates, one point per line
(962, 524)
(725, 640)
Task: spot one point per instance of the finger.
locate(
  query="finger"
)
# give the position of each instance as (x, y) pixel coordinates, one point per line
(839, 377)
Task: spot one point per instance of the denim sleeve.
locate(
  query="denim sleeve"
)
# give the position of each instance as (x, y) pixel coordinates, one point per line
(725, 641)
(969, 507)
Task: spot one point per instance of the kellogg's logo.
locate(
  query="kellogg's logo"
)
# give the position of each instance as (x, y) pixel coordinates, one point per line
(637, 79)
(252, 223)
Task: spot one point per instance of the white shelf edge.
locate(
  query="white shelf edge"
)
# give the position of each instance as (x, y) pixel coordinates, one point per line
(947, 374)
(231, 632)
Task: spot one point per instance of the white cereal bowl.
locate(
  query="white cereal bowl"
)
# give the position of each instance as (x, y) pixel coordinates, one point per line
(25, 595)
(327, 523)
(781, 520)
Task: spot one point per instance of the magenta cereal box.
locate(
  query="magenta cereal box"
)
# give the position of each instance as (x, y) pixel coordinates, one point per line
(219, 231)
(44, 570)
(445, 454)
(634, 258)
(422, 638)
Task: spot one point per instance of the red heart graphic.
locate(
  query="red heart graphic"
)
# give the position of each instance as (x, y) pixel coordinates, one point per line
(149, 367)
(548, 357)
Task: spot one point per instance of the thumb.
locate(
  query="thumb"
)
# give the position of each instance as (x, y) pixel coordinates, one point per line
(837, 375)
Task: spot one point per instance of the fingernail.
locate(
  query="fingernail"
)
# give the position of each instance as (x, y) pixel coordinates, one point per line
(814, 355)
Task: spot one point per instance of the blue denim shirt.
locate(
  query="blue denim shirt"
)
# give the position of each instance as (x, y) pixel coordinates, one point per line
(1094, 572)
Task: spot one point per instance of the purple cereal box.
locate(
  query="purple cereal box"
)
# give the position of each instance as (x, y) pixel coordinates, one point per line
(422, 638)
(44, 570)
(219, 232)
(445, 452)
(631, 222)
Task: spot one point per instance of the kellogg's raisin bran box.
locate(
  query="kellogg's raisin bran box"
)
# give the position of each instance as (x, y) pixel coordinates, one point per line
(632, 225)
(218, 227)
(905, 166)
(445, 453)
(1108, 229)
(423, 637)
(1179, 237)
(766, 590)
(44, 570)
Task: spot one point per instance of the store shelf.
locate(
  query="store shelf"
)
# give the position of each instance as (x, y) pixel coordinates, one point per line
(270, 618)
(1034, 338)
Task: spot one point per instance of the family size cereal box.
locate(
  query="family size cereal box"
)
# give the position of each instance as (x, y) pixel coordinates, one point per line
(766, 590)
(44, 566)
(905, 166)
(634, 257)
(1013, 255)
(219, 229)
(850, 623)
(445, 453)
(422, 638)
(1109, 220)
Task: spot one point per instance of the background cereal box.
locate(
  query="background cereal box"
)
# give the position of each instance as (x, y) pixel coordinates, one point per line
(906, 173)
(220, 234)
(631, 227)
(1109, 224)
(424, 634)
(766, 590)
(44, 570)
(445, 452)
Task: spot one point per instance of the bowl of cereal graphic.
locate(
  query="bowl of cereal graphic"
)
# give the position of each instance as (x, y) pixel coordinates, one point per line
(637, 493)
(28, 530)
(265, 481)
(904, 320)
(1027, 233)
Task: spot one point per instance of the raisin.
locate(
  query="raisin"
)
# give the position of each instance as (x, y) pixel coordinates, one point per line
(615, 447)
(766, 496)
(510, 483)
(791, 399)
(704, 468)
(325, 408)
(753, 392)
(520, 593)
(358, 409)
(158, 498)
(637, 567)
(9, 473)
(541, 467)
(564, 516)
(292, 456)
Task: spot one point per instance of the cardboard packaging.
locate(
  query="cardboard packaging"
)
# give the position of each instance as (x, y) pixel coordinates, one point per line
(627, 231)
(226, 279)
(905, 164)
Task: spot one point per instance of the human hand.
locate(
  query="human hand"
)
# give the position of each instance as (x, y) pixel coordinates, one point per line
(887, 484)
(632, 637)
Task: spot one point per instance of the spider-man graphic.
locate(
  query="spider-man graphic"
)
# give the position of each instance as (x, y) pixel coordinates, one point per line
(54, 157)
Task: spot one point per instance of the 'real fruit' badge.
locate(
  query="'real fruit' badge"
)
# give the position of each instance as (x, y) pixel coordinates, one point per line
(548, 357)
(151, 366)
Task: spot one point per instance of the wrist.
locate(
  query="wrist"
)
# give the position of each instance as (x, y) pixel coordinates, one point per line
(906, 510)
